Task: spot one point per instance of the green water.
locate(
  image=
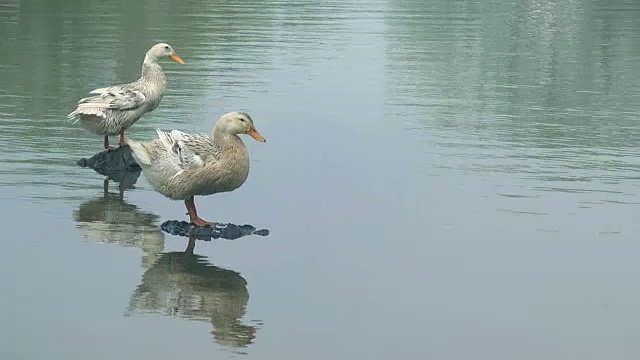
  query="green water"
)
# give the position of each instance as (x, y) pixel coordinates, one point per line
(441, 179)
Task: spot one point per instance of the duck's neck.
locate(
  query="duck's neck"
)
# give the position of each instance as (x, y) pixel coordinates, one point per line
(229, 143)
(152, 74)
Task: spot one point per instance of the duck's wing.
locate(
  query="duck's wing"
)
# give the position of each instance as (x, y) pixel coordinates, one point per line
(118, 97)
(187, 150)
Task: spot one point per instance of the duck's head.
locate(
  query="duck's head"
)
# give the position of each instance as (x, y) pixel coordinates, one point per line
(161, 50)
(235, 123)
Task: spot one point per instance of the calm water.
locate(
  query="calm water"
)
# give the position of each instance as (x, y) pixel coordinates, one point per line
(441, 179)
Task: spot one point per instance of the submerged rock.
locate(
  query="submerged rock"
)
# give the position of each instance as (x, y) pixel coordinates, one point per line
(116, 160)
(225, 231)
(118, 165)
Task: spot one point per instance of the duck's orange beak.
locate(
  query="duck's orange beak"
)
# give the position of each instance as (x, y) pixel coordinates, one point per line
(176, 58)
(256, 135)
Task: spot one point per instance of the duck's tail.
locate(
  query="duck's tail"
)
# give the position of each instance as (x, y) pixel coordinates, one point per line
(139, 151)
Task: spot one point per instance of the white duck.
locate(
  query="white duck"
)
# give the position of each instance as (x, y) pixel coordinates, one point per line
(180, 165)
(113, 109)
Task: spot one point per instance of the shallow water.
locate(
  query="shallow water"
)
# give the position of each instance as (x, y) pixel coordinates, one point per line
(440, 180)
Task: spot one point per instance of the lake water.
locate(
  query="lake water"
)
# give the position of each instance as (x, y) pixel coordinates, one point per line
(441, 180)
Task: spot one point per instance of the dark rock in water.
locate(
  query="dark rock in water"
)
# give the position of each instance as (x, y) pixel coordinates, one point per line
(119, 159)
(118, 164)
(225, 231)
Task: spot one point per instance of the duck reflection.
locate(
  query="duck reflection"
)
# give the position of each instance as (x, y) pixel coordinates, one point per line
(110, 219)
(182, 283)
(186, 285)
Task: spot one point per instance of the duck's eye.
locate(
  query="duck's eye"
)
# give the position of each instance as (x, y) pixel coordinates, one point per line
(166, 47)
(241, 119)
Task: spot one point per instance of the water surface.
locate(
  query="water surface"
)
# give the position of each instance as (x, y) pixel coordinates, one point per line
(440, 180)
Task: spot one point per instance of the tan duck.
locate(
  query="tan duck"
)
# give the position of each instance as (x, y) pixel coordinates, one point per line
(111, 110)
(180, 165)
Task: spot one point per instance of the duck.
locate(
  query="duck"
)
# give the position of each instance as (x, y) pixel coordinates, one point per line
(181, 166)
(111, 110)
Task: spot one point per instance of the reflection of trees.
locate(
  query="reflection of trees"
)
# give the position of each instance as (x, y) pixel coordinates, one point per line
(110, 219)
(186, 285)
(539, 73)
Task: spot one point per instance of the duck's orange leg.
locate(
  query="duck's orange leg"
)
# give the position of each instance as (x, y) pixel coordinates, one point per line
(106, 143)
(122, 141)
(193, 213)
